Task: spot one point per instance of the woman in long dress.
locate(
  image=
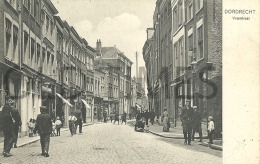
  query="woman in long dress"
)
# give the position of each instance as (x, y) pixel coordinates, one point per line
(165, 120)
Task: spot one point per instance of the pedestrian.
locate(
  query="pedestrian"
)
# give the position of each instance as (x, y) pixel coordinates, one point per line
(58, 125)
(78, 122)
(165, 120)
(72, 119)
(53, 128)
(196, 123)
(17, 126)
(8, 126)
(116, 118)
(152, 116)
(105, 116)
(44, 127)
(31, 126)
(130, 116)
(111, 117)
(124, 118)
(186, 119)
(211, 129)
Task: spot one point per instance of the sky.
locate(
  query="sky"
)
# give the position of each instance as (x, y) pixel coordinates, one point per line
(120, 23)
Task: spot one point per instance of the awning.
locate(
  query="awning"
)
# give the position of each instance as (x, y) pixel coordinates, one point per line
(85, 102)
(137, 106)
(63, 99)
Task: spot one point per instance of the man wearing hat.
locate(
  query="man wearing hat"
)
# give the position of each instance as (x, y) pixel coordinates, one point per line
(8, 126)
(44, 128)
(186, 119)
(196, 125)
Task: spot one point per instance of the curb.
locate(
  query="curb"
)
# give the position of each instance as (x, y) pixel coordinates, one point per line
(212, 146)
(38, 137)
(175, 137)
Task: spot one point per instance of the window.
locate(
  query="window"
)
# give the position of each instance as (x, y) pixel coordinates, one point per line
(190, 44)
(48, 57)
(42, 15)
(181, 49)
(13, 3)
(8, 33)
(37, 10)
(32, 48)
(190, 11)
(180, 14)
(15, 42)
(25, 45)
(199, 4)
(32, 7)
(52, 27)
(200, 41)
(26, 3)
(175, 19)
(47, 23)
(38, 53)
(169, 8)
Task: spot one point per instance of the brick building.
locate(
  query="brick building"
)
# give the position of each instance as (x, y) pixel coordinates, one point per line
(119, 68)
(195, 58)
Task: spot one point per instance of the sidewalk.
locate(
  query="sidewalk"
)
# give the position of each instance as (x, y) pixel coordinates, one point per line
(176, 133)
(28, 140)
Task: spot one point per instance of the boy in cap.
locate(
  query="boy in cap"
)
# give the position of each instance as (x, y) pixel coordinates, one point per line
(44, 128)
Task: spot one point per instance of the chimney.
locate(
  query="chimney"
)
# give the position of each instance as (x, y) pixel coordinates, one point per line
(98, 48)
(136, 66)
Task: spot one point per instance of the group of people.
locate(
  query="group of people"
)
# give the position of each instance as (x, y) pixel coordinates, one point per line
(191, 122)
(117, 119)
(75, 120)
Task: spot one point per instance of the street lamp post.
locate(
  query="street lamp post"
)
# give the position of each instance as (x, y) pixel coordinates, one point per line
(194, 71)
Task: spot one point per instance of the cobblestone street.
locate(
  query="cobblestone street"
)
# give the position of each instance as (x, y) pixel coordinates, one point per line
(108, 143)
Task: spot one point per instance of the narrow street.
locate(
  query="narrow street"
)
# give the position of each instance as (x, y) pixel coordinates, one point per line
(108, 143)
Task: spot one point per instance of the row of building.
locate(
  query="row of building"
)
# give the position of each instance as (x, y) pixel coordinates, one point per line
(44, 61)
(183, 56)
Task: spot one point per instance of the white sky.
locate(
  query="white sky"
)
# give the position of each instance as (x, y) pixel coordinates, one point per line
(116, 22)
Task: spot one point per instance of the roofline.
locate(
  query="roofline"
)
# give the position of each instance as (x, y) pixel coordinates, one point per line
(50, 4)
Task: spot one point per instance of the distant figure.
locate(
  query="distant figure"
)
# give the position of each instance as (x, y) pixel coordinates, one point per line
(196, 123)
(130, 116)
(211, 129)
(111, 117)
(123, 118)
(105, 116)
(165, 120)
(8, 127)
(17, 126)
(44, 128)
(152, 116)
(58, 125)
(116, 118)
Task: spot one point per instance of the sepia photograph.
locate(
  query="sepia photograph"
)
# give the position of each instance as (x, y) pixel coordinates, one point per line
(125, 81)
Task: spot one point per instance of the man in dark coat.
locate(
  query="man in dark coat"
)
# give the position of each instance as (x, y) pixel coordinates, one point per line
(44, 128)
(196, 123)
(78, 115)
(17, 125)
(186, 119)
(152, 116)
(8, 127)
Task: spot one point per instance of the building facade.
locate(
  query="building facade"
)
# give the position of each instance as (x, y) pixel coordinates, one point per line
(195, 58)
(44, 62)
(118, 67)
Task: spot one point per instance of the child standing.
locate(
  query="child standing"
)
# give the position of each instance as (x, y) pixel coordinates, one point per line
(58, 124)
(211, 129)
